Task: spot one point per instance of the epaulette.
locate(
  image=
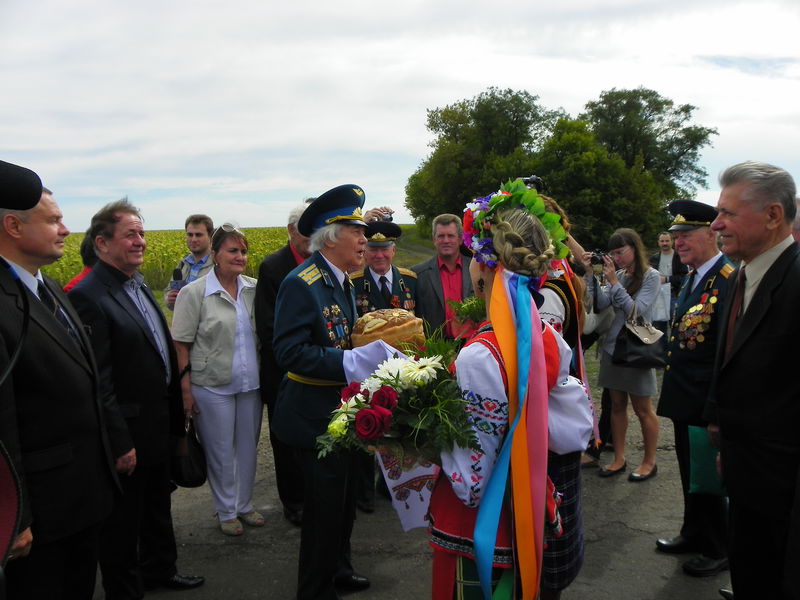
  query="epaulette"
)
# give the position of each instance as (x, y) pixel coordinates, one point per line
(407, 272)
(356, 274)
(726, 270)
(310, 274)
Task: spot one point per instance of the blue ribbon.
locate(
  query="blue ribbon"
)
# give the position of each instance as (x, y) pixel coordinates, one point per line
(488, 519)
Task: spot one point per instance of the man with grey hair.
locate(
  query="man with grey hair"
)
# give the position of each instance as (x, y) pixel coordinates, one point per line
(796, 223)
(754, 401)
(444, 277)
(314, 314)
(274, 268)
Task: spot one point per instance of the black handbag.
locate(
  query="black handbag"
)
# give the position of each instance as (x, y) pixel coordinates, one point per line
(188, 465)
(639, 344)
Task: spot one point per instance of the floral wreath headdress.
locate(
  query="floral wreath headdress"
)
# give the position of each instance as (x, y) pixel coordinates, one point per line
(482, 213)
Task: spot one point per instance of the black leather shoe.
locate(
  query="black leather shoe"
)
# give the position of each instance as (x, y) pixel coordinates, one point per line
(726, 593)
(293, 515)
(603, 472)
(703, 566)
(676, 545)
(176, 582)
(636, 477)
(352, 583)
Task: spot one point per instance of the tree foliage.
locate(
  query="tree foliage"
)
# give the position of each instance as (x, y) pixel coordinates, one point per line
(478, 143)
(643, 127)
(616, 166)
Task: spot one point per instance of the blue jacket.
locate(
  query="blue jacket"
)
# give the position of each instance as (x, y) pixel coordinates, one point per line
(368, 292)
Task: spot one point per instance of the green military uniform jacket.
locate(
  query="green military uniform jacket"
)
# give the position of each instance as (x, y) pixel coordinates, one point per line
(314, 317)
(693, 344)
(368, 291)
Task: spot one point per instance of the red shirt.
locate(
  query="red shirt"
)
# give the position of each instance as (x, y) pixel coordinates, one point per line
(296, 255)
(451, 286)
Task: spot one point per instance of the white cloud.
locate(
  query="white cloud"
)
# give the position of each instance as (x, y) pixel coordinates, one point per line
(242, 108)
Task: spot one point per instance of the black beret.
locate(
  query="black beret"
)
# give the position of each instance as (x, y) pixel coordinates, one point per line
(341, 204)
(690, 214)
(382, 233)
(20, 188)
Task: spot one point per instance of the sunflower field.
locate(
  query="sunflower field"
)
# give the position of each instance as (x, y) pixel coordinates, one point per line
(164, 249)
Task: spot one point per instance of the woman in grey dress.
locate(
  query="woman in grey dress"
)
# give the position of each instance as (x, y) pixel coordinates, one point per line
(629, 281)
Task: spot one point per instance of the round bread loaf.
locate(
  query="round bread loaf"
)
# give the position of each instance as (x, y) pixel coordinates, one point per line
(394, 326)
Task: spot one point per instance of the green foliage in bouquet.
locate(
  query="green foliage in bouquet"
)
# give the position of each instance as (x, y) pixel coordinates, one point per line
(472, 309)
(411, 404)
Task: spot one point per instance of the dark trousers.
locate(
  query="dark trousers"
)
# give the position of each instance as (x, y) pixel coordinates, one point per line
(288, 468)
(705, 516)
(365, 479)
(762, 485)
(138, 543)
(328, 514)
(65, 569)
(603, 425)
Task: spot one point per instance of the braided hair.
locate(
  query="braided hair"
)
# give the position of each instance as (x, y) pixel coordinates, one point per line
(521, 243)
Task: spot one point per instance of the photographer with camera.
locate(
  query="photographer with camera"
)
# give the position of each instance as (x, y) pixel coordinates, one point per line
(632, 284)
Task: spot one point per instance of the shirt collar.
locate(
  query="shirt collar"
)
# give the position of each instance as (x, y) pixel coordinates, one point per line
(705, 268)
(758, 267)
(442, 264)
(297, 256)
(376, 276)
(337, 272)
(31, 281)
(213, 286)
(191, 260)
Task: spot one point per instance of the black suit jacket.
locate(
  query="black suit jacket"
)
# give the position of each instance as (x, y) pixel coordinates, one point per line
(51, 419)
(273, 270)
(430, 296)
(693, 345)
(755, 394)
(678, 270)
(142, 408)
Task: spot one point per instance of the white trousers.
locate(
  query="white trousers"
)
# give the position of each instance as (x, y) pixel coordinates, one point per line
(229, 427)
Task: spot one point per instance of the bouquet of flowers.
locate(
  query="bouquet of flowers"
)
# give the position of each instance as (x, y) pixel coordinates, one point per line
(412, 405)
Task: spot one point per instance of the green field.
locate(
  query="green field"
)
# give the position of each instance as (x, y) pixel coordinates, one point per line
(166, 247)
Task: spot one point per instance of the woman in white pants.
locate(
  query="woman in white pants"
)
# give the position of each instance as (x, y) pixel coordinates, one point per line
(214, 332)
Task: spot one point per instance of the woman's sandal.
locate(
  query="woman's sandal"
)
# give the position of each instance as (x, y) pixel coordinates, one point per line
(232, 528)
(253, 518)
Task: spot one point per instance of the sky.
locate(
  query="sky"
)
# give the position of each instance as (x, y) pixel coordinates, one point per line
(241, 109)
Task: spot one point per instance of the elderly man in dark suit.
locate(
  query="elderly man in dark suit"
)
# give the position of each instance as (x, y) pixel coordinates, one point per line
(314, 315)
(444, 277)
(50, 414)
(690, 363)
(140, 392)
(754, 405)
(274, 268)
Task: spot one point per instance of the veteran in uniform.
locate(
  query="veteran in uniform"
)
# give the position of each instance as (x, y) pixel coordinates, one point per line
(381, 284)
(314, 315)
(687, 378)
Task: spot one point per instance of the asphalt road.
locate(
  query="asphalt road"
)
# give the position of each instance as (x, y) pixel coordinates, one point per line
(622, 522)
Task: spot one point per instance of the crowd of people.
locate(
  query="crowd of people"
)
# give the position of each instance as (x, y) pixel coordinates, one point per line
(96, 386)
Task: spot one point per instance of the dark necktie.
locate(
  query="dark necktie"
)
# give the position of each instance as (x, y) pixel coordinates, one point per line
(50, 302)
(736, 308)
(387, 295)
(690, 283)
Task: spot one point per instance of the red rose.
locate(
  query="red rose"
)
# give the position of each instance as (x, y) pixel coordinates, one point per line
(350, 391)
(372, 423)
(385, 397)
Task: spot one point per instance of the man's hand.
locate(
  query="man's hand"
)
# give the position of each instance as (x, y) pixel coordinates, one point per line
(126, 463)
(171, 295)
(713, 435)
(375, 214)
(21, 545)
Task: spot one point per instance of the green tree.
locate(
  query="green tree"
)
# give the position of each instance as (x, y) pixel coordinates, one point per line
(596, 188)
(478, 143)
(649, 130)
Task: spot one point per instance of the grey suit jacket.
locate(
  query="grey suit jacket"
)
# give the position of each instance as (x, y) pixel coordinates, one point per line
(430, 296)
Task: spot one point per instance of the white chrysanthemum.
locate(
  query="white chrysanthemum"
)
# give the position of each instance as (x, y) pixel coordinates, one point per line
(422, 370)
(389, 369)
(372, 384)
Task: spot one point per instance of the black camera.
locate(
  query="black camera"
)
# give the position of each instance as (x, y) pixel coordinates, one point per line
(533, 182)
(597, 257)
(385, 216)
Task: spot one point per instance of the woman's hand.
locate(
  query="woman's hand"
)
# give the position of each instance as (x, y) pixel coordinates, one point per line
(189, 405)
(610, 270)
(585, 259)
